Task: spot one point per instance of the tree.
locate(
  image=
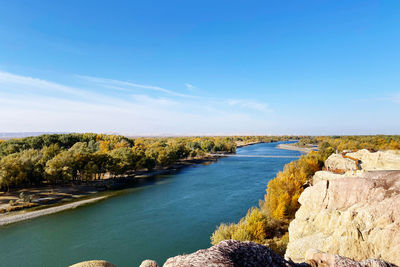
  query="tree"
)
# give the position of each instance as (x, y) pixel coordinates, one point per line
(61, 168)
(123, 160)
(21, 169)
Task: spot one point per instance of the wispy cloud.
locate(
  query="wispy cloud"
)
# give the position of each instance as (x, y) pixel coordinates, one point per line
(9, 81)
(127, 86)
(32, 104)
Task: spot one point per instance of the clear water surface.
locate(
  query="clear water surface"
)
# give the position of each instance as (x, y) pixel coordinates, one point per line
(160, 218)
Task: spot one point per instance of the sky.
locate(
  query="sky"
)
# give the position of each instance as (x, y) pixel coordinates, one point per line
(313, 67)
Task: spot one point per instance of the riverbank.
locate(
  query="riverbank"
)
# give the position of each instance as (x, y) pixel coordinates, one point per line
(42, 199)
(297, 148)
(243, 144)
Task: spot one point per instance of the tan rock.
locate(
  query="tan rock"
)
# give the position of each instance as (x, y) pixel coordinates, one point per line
(149, 263)
(381, 160)
(327, 175)
(337, 162)
(94, 263)
(356, 217)
(317, 258)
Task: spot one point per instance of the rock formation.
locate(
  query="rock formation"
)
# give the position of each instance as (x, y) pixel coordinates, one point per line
(356, 214)
(317, 258)
(369, 161)
(230, 253)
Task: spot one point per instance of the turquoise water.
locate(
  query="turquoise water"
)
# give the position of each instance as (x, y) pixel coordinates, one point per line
(158, 219)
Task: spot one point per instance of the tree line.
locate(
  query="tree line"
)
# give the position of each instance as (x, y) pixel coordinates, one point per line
(61, 158)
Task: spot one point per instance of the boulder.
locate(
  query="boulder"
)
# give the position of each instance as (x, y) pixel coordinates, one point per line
(230, 253)
(94, 263)
(149, 263)
(338, 162)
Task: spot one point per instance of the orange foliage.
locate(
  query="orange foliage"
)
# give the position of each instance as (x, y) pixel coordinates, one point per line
(283, 191)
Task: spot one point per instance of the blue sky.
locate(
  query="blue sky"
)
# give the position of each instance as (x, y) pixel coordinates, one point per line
(200, 67)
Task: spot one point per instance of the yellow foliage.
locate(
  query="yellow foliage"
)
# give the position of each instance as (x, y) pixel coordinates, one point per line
(278, 244)
(104, 146)
(284, 191)
(121, 144)
(223, 232)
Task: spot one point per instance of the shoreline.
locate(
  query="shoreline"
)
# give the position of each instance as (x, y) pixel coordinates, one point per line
(114, 184)
(239, 144)
(89, 193)
(22, 216)
(296, 148)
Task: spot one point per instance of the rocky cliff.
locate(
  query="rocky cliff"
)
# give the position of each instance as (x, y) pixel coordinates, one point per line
(355, 214)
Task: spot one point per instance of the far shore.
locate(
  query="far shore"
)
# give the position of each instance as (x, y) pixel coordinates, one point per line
(243, 144)
(297, 148)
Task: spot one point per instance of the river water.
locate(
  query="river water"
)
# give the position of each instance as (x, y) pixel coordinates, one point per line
(160, 218)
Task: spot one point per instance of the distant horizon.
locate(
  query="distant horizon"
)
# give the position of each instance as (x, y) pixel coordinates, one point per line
(32, 134)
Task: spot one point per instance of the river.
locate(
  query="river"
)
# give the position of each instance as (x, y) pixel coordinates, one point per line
(160, 218)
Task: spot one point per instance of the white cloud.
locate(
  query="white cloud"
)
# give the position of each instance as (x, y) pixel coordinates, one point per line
(31, 104)
(127, 86)
(11, 81)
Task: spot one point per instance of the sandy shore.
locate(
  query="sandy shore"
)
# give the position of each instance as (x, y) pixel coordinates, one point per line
(296, 148)
(13, 218)
(243, 144)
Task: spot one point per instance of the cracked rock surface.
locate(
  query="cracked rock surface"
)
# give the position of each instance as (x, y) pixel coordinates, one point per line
(230, 253)
(354, 216)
